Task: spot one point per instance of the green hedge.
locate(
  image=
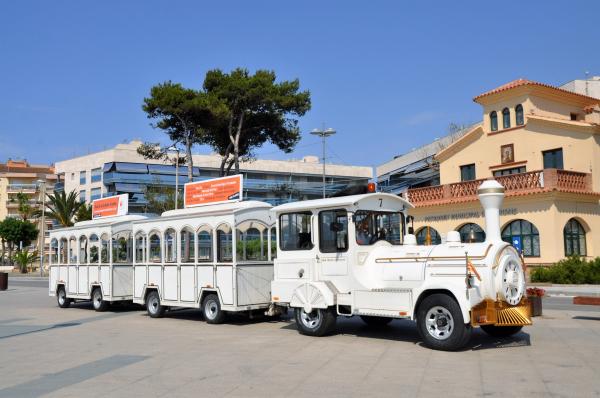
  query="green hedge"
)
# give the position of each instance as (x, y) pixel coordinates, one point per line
(572, 270)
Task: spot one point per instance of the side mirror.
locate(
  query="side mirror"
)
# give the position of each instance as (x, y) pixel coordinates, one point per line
(411, 230)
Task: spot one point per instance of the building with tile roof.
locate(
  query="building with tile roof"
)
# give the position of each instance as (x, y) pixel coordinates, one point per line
(543, 144)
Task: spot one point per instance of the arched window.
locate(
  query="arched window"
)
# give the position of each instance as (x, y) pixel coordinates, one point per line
(428, 236)
(94, 249)
(54, 251)
(73, 250)
(273, 243)
(204, 245)
(471, 233)
(250, 244)
(524, 234)
(188, 246)
(63, 251)
(224, 244)
(170, 246)
(121, 248)
(83, 248)
(155, 249)
(519, 115)
(505, 118)
(104, 249)
(574, 235)
(494, 121)
(140, 248)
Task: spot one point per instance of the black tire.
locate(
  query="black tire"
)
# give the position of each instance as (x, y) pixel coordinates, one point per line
(61, 298)
(211, 308)
(318, 322)
(440, 323)
(98, 301)
(501, 331)
(153, 306)
(375, 321)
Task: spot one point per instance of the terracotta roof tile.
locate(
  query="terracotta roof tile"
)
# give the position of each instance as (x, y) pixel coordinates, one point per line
(526, 82)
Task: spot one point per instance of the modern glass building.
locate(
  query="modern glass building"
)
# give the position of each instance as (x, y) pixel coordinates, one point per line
(121, 170)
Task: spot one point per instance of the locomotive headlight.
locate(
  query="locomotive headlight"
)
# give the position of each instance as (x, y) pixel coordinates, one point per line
(510, 277)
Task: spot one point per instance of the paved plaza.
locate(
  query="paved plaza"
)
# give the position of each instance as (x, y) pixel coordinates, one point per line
(45, 350)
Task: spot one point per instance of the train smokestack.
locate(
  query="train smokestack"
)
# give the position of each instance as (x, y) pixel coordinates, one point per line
(491, 195)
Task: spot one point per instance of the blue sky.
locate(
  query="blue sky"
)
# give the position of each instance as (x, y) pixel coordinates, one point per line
(388, 76)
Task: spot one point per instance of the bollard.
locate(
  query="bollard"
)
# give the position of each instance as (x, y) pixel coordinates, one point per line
(3, 280)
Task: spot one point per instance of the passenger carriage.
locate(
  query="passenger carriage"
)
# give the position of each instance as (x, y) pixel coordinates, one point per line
(93, 261)
(217, 257)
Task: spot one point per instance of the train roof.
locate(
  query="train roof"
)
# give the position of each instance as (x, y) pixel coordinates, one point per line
(392, 203)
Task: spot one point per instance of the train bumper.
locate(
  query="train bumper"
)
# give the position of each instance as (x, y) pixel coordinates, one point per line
(500, 313)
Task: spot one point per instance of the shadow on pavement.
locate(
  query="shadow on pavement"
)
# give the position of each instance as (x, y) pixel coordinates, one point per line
(406, 331)
(587, 318)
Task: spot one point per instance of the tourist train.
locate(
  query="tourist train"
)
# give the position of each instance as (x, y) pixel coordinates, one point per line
(343, 256)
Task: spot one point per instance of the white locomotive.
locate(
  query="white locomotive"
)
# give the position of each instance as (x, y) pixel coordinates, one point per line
(350, 256)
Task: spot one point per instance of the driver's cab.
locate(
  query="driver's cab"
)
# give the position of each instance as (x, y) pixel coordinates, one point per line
(330, 240)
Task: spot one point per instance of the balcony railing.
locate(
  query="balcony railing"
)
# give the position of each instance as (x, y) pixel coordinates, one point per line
(516, 184)
(21, 188)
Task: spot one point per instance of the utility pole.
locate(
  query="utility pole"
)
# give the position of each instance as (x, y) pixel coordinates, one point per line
(324, 133)
(174, 148)
(42, 184)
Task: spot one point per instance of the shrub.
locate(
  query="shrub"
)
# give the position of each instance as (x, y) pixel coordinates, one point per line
(571, 270)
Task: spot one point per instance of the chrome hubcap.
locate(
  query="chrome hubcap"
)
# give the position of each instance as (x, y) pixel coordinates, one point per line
(61, 297)
(311, 319)
(153, 305)
(97, 299)
(211, 309)
(439, 322)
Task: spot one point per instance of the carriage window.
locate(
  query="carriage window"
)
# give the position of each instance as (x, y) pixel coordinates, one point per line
(250, 246)
(224, 245)
(170, 246)
(121, 246)
(333, 231)
(140, 248)
(83, 246)
(63, 251)
(188, 246)
(73, 250)
(54, 251)
(273, 243)
(104, 250)
(373, 226)
(155, 250)
(94, 257)
(204, 246)
(295, 231)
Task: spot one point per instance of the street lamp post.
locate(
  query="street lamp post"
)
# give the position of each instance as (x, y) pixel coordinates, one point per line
(323, 134)
(174, 148)
(42, 184)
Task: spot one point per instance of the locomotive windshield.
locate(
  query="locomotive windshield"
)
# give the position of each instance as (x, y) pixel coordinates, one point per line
(373, 226)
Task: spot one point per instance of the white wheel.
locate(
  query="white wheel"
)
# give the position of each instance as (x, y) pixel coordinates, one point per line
(511, 279)
(311, 320)
(212, 309)
(440, 323)
(98, 301)
(61, 298)
(318, 322)
(153, 306)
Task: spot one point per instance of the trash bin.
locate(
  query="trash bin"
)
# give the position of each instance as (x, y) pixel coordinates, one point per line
(3, 280)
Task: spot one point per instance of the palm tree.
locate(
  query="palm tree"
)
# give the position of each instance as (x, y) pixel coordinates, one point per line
(62, 207)
(84, 212)
(24, 258)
